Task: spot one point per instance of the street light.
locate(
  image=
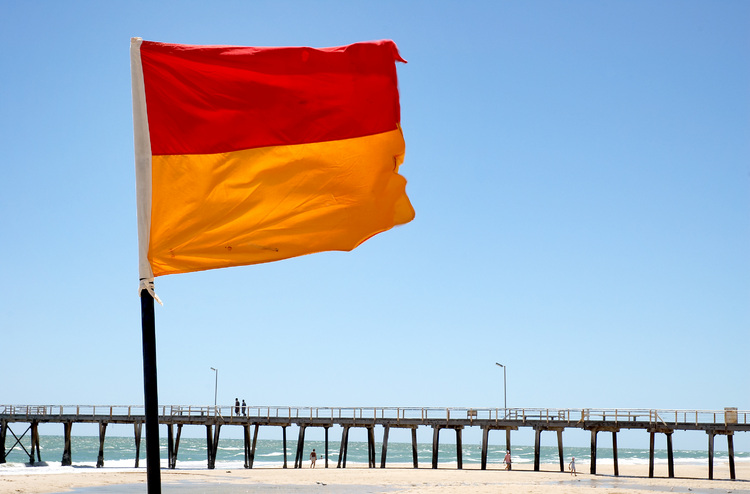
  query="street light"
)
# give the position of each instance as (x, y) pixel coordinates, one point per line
(216, 384)
(505, 395)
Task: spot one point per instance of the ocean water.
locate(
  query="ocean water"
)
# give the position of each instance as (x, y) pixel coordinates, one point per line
(119, 453)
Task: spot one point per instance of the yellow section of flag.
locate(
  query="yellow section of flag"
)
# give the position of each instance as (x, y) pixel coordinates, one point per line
(272, 203)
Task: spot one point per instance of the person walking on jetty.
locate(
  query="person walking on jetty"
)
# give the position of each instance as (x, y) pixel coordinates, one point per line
(244, 408)
(572, 466)
(506, 460)
(313, 457)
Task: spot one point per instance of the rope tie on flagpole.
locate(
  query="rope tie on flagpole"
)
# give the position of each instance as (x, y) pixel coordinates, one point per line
(148, 285)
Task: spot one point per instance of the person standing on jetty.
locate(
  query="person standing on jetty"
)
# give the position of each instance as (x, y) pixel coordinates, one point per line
(236, 406)
(313, 457)
(506, 460)
(244, 408)
(572, 466)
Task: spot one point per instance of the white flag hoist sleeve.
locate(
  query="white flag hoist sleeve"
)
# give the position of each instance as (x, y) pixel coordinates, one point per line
(142, 143)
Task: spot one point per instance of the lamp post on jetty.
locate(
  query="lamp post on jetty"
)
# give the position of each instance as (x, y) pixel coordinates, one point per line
(216, 385)
(505, 395)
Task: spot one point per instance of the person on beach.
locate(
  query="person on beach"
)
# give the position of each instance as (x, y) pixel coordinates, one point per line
(313, 457)
(244, 408)
(236, 406)
(506, 460)
(572, 466)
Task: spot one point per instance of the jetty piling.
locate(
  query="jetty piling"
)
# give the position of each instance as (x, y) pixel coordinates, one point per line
(177, 445)
(459, 448)
(384, 450)
(212, 444)
(170, 446)
(435, 446)
(173, 444)
(507, 445)
(102, 433)
(215, 445)
(371, 446)
(593, 451)
(344, 447)
(250, 447)
(67, 457)
(34, 427)
(326, 445)
(614, 452)
(670, 455)
(283, 429)
(414, 451)
(300, 447)
(137, 428)
(3, 432)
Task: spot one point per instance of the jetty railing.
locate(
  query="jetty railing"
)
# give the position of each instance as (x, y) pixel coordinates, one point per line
(424, 415)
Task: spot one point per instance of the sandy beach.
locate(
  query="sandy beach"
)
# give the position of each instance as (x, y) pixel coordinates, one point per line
(396, 479)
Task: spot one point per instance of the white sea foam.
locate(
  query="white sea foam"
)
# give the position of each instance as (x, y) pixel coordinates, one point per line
(119, 454)
(44, 468)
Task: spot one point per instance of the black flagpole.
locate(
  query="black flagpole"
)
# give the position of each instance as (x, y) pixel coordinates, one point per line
(151, 395)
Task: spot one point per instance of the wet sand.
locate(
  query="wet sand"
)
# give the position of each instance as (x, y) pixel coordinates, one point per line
(633, 479)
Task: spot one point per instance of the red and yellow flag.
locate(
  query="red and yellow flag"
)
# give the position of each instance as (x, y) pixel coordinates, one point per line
(249, 155)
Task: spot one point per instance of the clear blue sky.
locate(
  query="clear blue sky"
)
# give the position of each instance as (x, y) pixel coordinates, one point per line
(581, 178)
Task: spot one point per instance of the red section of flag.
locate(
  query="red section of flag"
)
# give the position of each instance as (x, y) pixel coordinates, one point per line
(215, 99)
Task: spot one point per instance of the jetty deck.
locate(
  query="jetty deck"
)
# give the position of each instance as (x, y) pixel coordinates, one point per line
(714, 422)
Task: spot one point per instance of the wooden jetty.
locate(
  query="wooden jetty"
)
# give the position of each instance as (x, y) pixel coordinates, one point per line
(714, 422)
